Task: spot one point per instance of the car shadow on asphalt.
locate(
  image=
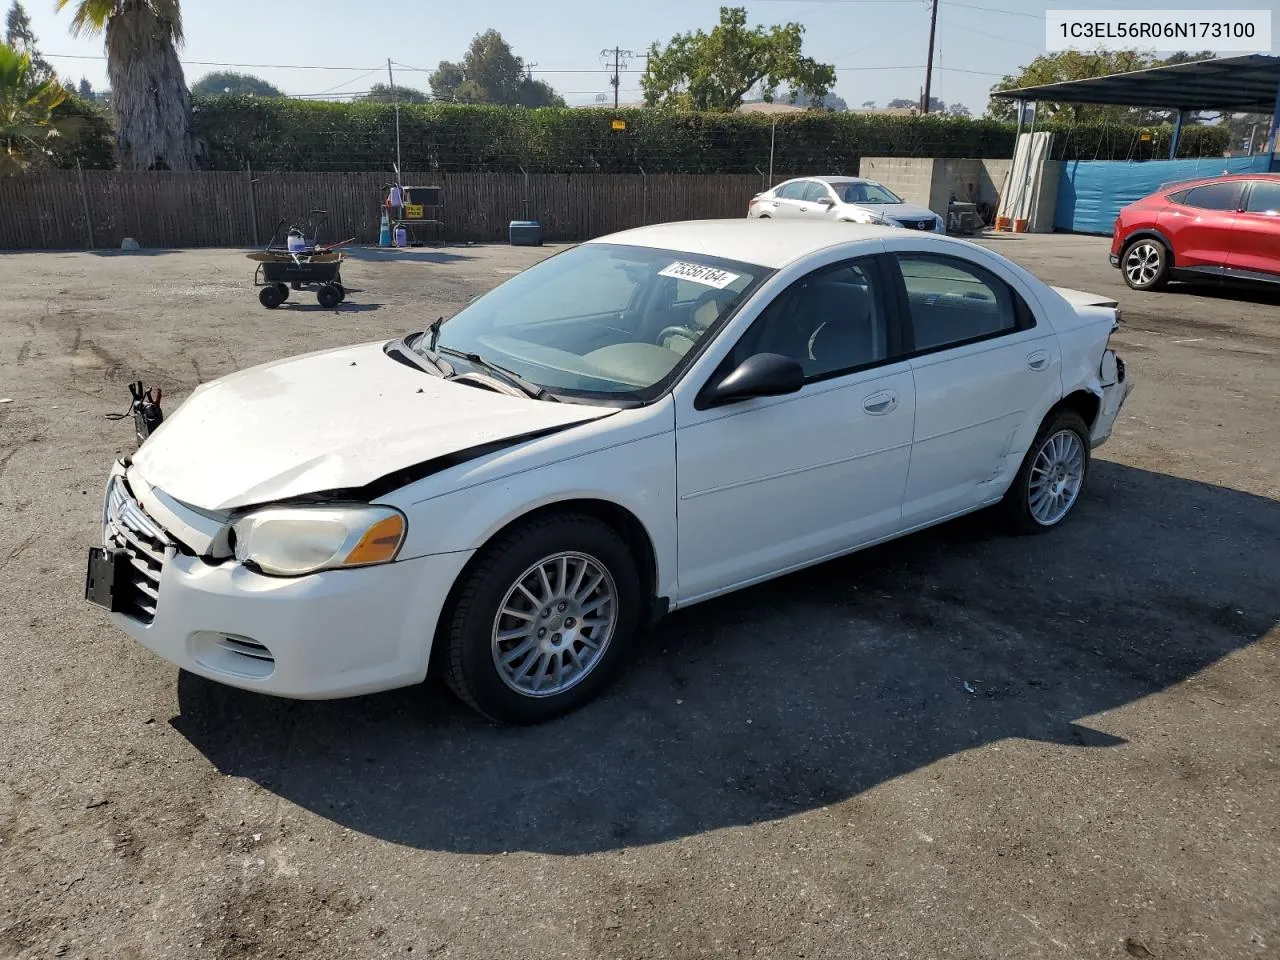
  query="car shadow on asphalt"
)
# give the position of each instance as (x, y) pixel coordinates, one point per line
(1266, 295)
(800, 692)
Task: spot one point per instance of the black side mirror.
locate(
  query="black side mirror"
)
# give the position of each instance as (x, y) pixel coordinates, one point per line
(826, 202)
(762, 375)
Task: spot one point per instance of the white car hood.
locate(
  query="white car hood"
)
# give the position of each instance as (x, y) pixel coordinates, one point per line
(325, 421)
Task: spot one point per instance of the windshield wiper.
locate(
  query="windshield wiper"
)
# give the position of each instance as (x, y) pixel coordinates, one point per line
(529, 387)
(415, 344)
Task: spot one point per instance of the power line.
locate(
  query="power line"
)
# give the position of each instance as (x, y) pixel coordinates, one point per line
(992, 36)
(1011, 13)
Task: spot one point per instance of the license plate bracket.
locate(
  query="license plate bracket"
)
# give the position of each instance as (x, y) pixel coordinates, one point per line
(106, 582)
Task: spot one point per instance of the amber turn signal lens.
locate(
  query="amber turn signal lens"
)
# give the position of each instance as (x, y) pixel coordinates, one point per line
(379, 543)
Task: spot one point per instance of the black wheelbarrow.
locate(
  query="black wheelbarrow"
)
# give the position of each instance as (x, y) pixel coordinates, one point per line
(278, 273)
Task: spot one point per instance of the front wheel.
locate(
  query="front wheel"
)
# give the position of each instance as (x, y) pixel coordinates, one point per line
(542, 619)
(269, 296)
(328, 296)
(1145, 265)
(1052, 474)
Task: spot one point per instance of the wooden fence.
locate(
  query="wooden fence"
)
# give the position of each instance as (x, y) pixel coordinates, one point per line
(69, 210)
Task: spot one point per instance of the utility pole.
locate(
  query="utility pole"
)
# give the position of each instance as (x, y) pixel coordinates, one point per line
(396, 100)
(620, 59)
(928, 70)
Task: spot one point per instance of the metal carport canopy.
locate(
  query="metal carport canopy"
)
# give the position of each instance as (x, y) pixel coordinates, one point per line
(1247, 84)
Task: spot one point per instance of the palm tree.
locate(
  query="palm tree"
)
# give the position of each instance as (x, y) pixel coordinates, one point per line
(25, 109)
(149, 96)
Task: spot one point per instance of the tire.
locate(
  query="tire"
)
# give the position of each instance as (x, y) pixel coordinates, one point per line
(284, 291)
(1022, 511)
(526, 690)
(342, 291)
(1144, 264)
(328, 296)
(296, 284)
(269, 296)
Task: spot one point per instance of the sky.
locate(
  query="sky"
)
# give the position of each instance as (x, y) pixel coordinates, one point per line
(878, 47)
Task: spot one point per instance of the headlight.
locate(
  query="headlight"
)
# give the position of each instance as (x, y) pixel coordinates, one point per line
(291, 541)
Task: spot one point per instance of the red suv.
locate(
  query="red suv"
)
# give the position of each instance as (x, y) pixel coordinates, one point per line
(1223, 227)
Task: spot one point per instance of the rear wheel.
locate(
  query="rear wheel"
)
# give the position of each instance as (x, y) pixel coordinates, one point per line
(284, 291)
(542, 619)
(269, 296)
(328, 296)
(1145, 264)
(1051, 477)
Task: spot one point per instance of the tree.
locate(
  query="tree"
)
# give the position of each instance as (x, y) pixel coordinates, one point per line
(830, 102)
(382, 93)
(959, 110)
(716, 70)
(149, 97)
(491, 73)
(238, 84)
(446, 80)
(868, 104)
(19, 35)
(1078, 65)
(26, 108)
(85, 89)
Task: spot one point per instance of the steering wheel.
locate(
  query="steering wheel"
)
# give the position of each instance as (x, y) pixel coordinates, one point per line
(675, 330)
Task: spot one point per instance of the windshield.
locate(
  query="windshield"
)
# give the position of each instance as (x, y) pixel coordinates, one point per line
(600, 320)
(866, 192)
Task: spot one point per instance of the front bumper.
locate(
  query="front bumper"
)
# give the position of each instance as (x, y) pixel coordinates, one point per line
(332, 634)
(1114, 259)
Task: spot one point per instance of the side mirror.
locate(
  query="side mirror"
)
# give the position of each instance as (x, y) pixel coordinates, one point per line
(826, 202)
(762, 375)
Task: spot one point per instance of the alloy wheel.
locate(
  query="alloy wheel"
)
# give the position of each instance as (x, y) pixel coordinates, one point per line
(1056, 477)
(554, 624)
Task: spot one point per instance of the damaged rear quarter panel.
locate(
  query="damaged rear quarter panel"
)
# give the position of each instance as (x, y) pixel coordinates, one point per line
(627, 459)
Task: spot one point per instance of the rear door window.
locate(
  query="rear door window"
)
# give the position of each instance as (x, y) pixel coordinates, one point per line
(953, 301)
(814, 191)
(1264, 197)
(792, 191)
(1215, 196)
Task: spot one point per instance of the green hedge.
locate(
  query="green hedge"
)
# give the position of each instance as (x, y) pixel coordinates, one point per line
(279, 134)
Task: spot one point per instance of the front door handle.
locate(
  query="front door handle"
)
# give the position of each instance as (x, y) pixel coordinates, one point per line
(1038, 360)
(880, 403)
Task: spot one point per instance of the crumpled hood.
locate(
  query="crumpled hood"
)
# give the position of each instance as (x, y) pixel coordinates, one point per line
(329, 420)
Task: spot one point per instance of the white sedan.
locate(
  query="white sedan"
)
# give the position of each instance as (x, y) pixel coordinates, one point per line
(636, 424)
(844, 199)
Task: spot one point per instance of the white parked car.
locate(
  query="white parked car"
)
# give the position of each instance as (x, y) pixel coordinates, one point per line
(633, 425)
(846, 199)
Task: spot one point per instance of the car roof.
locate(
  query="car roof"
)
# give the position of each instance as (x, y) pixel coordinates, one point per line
(767, 243)
(1220, 178)
(830, 180)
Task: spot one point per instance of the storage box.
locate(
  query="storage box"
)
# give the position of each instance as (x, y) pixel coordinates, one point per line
(525, 233)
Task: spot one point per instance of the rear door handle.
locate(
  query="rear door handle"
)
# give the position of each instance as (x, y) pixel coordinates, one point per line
(880, 403)
(1038, 360)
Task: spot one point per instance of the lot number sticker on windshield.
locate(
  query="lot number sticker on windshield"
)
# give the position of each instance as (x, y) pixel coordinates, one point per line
(696, 272)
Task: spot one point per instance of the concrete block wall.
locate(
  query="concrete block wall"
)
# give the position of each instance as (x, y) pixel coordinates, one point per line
(973, 181)
(909, 177)
(930, 182)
